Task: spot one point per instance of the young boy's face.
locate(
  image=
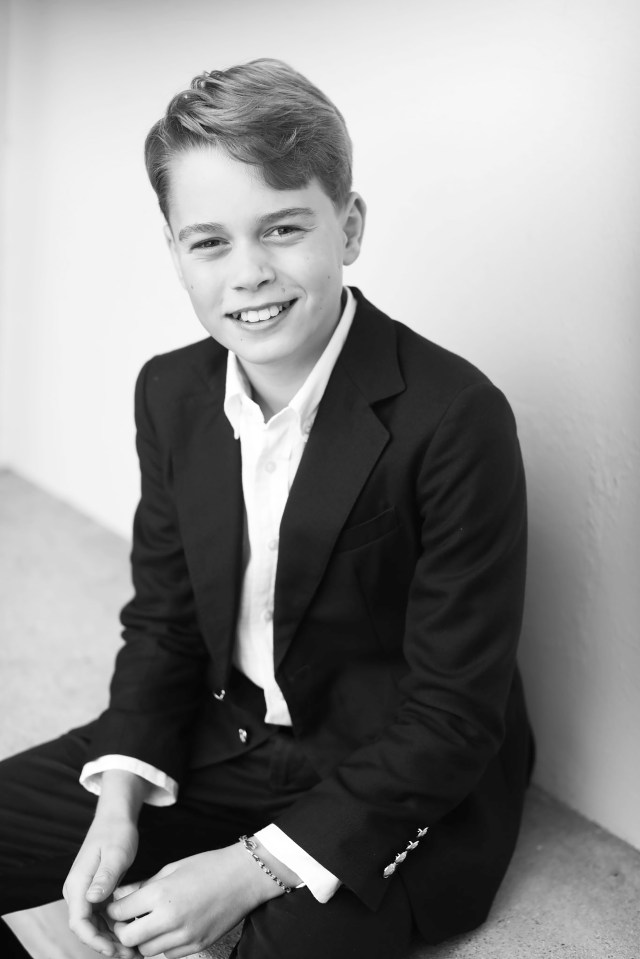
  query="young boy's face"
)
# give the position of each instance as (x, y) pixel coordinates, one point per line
(263, 267)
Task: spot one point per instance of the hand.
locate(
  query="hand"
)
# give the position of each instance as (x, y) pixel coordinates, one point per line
(107, 852)
(190, 903)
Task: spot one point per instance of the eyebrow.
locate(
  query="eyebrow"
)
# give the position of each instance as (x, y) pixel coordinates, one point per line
(213, 227)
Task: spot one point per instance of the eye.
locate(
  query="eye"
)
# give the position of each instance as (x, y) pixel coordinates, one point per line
(213, 243)
(282, 232)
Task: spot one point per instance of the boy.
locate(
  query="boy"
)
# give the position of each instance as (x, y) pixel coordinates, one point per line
(328, 563)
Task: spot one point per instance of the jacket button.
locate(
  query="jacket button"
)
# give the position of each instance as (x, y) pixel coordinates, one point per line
(243, 735)
(389, 870)
(219, 694)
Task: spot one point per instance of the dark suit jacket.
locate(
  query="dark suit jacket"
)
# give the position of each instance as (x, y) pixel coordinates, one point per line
(398, 604)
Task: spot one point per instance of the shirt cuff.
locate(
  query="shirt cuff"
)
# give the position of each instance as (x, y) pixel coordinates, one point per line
(164, 791)
(322, 884)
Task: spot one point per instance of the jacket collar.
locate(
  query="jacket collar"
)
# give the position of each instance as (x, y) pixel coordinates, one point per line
(370, 356)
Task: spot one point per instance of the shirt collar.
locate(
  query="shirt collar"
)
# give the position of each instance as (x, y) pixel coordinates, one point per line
(238, 401)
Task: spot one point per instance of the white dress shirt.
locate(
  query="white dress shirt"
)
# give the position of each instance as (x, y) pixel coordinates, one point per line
(271, 454)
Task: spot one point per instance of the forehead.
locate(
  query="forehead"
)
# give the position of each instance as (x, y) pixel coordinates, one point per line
(206, 183)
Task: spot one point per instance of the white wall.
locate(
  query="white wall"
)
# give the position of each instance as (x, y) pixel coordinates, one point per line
(498, 145)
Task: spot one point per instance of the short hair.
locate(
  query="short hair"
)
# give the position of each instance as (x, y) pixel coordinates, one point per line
(263, 113)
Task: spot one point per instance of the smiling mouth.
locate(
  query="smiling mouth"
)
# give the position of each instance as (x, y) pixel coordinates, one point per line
(268, 312)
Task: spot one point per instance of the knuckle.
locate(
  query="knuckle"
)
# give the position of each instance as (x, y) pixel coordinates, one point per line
(156, 898)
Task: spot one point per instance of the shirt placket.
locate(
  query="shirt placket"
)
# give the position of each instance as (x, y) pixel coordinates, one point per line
(273, 472)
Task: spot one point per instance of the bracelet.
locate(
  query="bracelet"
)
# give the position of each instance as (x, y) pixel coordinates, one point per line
(251, 845)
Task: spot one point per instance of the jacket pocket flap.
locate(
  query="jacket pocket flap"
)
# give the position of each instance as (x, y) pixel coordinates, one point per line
(367, 532)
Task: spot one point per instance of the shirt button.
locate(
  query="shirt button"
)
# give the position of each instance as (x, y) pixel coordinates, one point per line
(273, 544)
(270, 466)
(243, 735)
(268, 615)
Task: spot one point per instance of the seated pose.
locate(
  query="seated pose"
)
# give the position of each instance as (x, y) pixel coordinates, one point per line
(316, 723)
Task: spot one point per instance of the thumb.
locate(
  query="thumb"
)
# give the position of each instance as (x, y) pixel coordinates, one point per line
(105, 879)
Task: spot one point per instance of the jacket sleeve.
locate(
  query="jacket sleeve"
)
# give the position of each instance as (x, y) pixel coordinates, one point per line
(158, 680)
(461, 630)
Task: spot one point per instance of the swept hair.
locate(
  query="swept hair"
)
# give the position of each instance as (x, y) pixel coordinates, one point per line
(263, 113)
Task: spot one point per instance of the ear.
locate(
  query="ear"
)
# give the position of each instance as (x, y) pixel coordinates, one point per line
(354, 216)
(171, 243)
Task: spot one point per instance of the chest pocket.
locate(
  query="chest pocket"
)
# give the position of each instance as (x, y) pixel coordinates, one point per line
(362, 534)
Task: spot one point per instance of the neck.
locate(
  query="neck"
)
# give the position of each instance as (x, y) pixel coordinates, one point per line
(275, 385)
(273, 390)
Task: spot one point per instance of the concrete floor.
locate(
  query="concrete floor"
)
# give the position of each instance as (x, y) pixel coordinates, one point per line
(572, 892)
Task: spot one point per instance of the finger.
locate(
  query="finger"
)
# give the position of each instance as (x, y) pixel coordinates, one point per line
(121, 951)
(133, 906)
(174, 943)
(82, 921)
(121, 891)
(87, 932)
(135, 899)
(169, 945)
(139, 931)
(91, 929)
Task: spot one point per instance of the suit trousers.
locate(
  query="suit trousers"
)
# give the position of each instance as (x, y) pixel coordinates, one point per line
(45, 814)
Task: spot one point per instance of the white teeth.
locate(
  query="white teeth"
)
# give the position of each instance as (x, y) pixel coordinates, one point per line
(266, 313)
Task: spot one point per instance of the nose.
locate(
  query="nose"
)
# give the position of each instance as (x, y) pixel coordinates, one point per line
(251, 267)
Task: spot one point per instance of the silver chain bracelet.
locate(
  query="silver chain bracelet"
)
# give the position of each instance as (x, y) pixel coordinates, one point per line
(251, 845)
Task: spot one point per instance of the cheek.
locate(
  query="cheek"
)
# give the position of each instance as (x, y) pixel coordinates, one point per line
(201, 303)
(318, 270)
(201, 286)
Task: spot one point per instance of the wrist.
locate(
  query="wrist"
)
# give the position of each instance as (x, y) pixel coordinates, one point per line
(283, 879)
(122, 795)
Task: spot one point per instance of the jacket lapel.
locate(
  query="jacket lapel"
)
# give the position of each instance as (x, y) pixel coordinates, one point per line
(207, 470)
(344, 445)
